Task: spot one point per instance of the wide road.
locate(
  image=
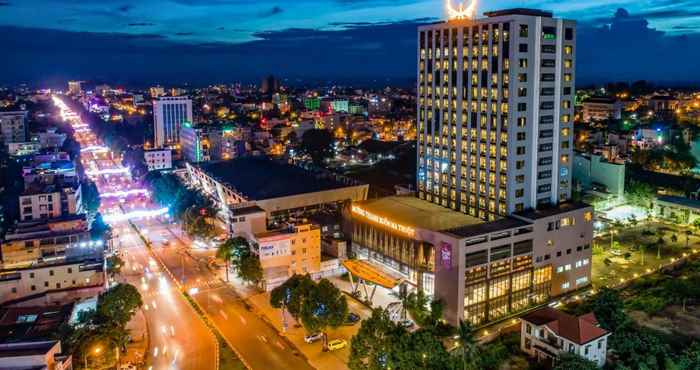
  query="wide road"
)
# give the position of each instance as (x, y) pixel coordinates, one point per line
(178, 338)
(259, 344)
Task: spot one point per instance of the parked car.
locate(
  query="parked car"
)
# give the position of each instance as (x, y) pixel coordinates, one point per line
(313, 337)
(352, 319)
(406, 323)
(337, 344)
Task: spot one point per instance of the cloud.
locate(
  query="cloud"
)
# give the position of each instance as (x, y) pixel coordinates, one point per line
(271, 12)
(125, 8)
(141, 24)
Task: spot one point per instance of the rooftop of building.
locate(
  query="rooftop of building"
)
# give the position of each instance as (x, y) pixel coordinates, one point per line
(519, 11)
(580, 330)
(45, 228)
(600, 100)
(285, 230)
(32, 323)
(505, 223)
(552, 210)
(59, 183)
(247, 210)
(414, 212)
(259, 178)
(22, 349)
(681, 201)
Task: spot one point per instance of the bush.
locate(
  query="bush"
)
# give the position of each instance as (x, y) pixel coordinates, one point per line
(649, 304)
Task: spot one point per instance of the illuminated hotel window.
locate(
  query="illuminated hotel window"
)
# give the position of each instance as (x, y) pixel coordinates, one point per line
(568, 49)
(568, 63)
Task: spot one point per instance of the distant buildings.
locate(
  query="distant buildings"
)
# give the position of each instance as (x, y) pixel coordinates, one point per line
(312, 103)
(41, 201)
(202, 143)
(156, 91)
(600, 108)
(593, 172)
(158, 159)
(546, 333)
(75, 87)
(13, 127)
(169, 114)
(269, 85)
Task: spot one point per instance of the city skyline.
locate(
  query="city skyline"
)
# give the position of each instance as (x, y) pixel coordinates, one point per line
(226, 41)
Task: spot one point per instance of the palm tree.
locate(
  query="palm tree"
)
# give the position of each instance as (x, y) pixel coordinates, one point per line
(225, 251)
(467, 342)
(613, 226)
(402, 295)
(688, 233)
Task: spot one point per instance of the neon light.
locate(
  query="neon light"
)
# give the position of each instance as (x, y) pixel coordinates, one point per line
(141, 213)
(461, 12)
(107, 171)
(124, 193)
(384, 221)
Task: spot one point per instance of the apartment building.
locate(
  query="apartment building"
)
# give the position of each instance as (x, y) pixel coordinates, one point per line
(13, 127)
(158, 159)
(601, 108)
(495, 112)
(44, 201)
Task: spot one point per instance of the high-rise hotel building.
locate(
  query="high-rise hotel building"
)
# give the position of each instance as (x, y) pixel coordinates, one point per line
(169, 114)
(495, 112)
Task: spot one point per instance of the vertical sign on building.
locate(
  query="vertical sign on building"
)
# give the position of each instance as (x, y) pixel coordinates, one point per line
(446, 254)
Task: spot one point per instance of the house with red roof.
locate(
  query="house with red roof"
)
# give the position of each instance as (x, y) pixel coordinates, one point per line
(547, 332)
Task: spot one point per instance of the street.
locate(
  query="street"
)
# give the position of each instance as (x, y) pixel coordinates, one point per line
(177, 337)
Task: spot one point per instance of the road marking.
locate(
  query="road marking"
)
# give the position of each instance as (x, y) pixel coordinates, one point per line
(223, 314)
(262, 338)
(279, 344)
(242, 319)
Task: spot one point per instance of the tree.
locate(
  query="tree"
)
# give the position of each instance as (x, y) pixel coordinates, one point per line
(467, 344)
(318, 144)
(371, 346)
(90, 196)
(690, 359)
(225, 252)
(196, 223)
(421, 349)
(638, 348)
(114, 265)
(118, 304)
(99, 230)
(687, 233)
(608, 308)
(572, 361)
(324, 307)
(291, 294)
(418, 306)
(250, 270)
(402, 296)
(640, 194)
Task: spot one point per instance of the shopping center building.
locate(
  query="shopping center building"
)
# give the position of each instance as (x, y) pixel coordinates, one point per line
(481, 270)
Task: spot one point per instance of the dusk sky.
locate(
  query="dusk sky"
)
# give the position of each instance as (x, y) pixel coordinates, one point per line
(202, 41)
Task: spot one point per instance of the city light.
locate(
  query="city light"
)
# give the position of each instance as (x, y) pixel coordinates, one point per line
(124, 193)
(107, 171)
(142, 213)
(461, 12)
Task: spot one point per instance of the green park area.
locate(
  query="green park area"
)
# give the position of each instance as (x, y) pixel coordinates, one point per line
(633, 249)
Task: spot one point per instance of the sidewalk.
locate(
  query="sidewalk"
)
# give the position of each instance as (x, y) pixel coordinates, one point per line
(137, 347)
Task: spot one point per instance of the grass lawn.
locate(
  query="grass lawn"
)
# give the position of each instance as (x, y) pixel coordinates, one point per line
(637, 252)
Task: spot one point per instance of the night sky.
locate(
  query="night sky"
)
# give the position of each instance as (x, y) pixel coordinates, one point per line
(202, 41)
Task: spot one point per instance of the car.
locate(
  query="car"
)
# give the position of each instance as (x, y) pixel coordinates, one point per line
(337, 344)
(406, 323)
(166, 242)
(313, 337)
(352, 319)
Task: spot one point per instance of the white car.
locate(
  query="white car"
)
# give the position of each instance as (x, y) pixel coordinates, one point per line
(313, 337)
(406, 323)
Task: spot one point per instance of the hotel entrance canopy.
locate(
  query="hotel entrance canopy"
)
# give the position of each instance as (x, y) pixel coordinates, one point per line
(368, 272)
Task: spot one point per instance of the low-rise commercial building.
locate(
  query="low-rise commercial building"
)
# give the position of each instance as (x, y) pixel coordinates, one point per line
(546, 333)
(593, 172)
(677, 209)
(482, 271)
(34, 242)
(34, 355)
(213, 142)
(600, 108)
(295, 249)
(278, 188)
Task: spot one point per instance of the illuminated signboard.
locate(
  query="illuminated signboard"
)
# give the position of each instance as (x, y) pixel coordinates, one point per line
(461, 12)
(384, 221)
(446, 254)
